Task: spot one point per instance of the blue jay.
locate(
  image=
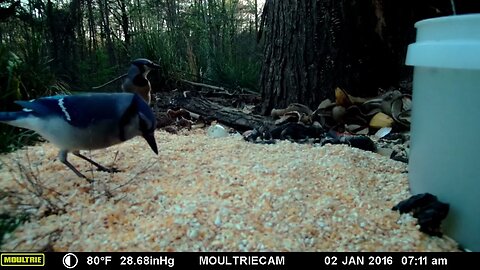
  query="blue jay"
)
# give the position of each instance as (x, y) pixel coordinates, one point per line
(86, 122)
(136, 81)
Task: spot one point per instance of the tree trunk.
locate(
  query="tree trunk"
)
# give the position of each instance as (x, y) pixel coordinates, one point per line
(104, 14)
(300, 53)
(62, 27)
(256, 15)
(314, 46)
(92, 40)
(125, 23)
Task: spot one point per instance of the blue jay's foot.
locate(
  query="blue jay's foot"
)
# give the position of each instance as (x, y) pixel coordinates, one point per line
(63, 158)
(99, 167)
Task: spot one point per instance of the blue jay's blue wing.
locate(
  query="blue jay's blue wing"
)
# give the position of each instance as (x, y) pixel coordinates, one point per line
(79, 110)
(85, 109)
(44, 107)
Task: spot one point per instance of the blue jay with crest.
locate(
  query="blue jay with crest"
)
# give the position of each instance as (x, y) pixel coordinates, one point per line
(136, 81)
(86, 122)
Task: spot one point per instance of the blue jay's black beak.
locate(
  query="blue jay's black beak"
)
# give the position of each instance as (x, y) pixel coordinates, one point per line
(151, 141)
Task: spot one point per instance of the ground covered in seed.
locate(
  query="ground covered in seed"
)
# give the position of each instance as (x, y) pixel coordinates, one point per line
(211, 194)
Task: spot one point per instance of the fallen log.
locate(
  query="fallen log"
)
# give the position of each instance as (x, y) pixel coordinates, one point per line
(232, 117)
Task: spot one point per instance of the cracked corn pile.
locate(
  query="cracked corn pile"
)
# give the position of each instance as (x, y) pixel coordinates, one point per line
(205, 194)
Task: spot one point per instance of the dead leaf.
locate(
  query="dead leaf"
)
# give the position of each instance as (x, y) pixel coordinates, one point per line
(325, 104)
(289, 118)
(381, 120)
(341, 98)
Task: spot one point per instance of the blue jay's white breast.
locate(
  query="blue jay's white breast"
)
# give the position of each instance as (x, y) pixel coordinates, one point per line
(56, 130)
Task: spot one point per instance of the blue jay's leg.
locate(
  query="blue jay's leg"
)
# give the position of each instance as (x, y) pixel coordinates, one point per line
(99, 167)
(62, 156)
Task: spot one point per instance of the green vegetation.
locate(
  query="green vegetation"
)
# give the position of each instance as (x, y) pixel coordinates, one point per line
(50, 47)
(24, 75)
(8, 223)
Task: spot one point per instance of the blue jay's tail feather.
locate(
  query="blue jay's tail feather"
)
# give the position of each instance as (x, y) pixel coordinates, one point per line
(12, 116)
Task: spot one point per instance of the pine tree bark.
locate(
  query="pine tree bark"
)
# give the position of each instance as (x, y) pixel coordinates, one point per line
(314, 46)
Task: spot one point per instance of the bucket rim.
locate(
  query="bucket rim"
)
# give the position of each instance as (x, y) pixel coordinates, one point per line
(449, 18)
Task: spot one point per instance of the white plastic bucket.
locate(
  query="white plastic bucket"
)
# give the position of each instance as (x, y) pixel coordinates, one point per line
(445, 132)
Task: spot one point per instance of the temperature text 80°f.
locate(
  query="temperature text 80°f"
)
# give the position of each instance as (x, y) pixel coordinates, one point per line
(99, 260)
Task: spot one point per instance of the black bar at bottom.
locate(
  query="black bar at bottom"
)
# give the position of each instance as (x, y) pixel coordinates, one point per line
(245, 260)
